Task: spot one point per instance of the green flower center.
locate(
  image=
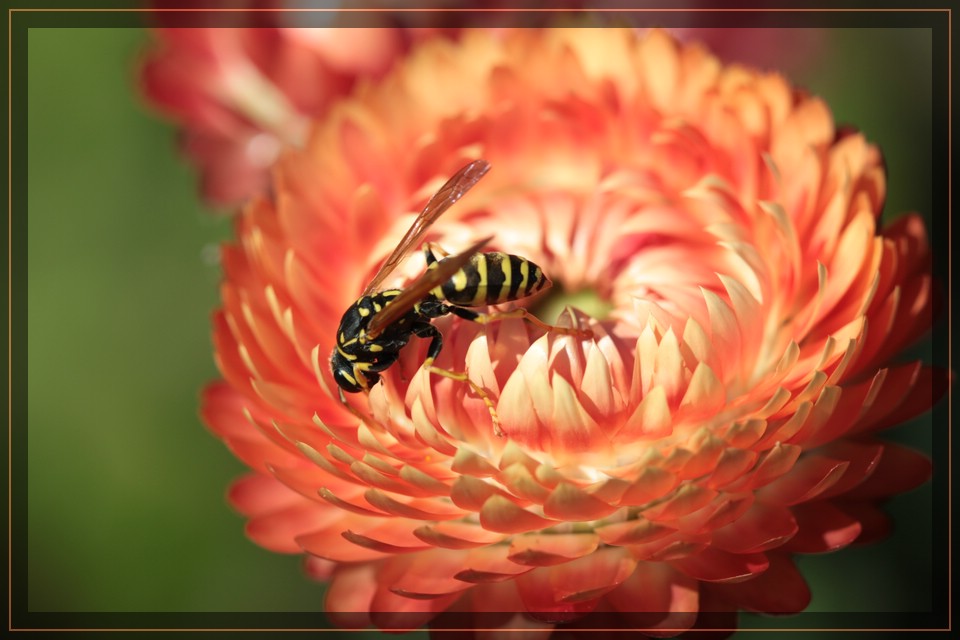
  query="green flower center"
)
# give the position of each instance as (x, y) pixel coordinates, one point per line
(549, 307)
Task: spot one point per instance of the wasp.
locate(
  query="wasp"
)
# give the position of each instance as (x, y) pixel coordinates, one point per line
(379, 324)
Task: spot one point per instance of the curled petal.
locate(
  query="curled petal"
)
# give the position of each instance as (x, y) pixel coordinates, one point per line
(490, 564)
(424, 576)
(811, 476)
(255, 493)
(542, 550)
(456, 535)
(822, 527)
(713, 565)
(651, 483)
(567, 502)
(900, 470)
(565, 591)
(761, 528)
(502, 515)
(780, 589)
(275, 530)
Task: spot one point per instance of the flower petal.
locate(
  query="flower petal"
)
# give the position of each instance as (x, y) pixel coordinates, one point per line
(565, 591)
(713, 565)
(780, 589)
(568, 502)
(501, 515)
(657, 597)
(823, 527)
(761, 528)
(543, 550)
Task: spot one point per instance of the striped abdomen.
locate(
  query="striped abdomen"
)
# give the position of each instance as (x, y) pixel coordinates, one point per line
(492, 278)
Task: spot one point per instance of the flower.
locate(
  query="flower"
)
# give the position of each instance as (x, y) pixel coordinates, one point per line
(240, 95)
(722, 418)
(243, 94)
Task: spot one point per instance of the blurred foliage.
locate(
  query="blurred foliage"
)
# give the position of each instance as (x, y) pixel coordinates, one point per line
(126, 487)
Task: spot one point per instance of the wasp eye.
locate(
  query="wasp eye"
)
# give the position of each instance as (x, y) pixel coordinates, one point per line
(346, 381)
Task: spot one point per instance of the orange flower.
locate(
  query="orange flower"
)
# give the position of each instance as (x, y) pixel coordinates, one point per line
(722, 418)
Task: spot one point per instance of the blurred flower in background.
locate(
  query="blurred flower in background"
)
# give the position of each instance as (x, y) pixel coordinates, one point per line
(782, 50)
(240, 95)
(745, 305)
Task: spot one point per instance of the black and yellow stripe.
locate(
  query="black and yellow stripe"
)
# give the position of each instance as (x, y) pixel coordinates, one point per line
(491, 278)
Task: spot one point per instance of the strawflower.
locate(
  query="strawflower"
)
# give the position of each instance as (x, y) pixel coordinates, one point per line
(744, 301)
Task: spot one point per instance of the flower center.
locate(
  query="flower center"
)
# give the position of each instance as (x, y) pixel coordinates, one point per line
(588, 300)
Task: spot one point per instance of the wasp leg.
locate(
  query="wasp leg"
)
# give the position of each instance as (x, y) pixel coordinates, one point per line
(427, 330)
(519, 312)
(431, 251)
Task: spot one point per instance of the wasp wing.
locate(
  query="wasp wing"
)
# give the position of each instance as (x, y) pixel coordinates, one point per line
(451, 191)
(421, 287)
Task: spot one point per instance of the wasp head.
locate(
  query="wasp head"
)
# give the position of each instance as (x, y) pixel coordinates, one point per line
(348, 378)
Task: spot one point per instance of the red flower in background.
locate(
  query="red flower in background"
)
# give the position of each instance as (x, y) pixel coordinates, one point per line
(722, 419)
(243, 94)
(240, 95)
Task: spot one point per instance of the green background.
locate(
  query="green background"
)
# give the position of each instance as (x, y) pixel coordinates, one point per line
(126, 508)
